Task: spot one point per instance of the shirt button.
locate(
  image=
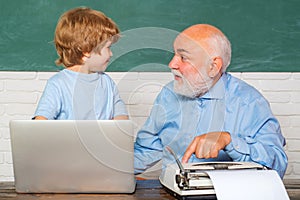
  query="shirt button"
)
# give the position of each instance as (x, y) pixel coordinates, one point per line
(200, 103)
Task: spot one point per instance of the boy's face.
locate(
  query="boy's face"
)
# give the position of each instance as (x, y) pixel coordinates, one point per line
(97, 62)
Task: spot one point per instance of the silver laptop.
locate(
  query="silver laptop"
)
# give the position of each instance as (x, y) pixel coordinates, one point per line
(68, 156)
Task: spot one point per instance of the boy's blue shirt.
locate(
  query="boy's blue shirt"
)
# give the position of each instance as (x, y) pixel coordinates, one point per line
(231, 105)
(70, 95)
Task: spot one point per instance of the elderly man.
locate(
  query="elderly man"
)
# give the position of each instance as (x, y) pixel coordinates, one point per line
(206, 114)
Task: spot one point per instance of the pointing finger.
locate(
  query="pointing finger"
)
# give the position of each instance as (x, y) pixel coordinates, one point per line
(189, 151)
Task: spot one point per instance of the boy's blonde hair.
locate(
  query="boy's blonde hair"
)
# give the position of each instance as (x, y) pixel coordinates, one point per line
(82, 30)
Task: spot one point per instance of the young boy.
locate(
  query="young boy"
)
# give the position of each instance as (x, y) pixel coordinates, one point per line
(82, 91)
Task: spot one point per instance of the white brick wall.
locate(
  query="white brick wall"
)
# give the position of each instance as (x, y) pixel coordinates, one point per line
(20, 92)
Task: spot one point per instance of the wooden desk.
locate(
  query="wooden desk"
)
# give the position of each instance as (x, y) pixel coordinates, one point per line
(148, 189)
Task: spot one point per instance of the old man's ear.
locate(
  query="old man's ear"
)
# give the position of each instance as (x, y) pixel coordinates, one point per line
(216, 66)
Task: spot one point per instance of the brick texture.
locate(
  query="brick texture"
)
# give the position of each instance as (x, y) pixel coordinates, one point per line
(20, 92)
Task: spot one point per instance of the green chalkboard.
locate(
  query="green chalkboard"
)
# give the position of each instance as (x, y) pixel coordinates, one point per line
(265, 34)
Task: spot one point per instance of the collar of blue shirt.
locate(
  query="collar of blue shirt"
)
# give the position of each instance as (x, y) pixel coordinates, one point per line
(218, 90)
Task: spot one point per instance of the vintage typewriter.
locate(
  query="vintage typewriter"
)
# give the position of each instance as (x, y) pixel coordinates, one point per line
(190, 180)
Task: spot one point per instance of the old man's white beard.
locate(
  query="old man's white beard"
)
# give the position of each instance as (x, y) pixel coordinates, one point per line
(191, 89)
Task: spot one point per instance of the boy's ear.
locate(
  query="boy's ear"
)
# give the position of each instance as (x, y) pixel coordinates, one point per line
(86, 56)
(216, 66)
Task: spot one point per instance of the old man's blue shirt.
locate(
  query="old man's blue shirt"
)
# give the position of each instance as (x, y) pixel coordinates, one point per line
(231, 105)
